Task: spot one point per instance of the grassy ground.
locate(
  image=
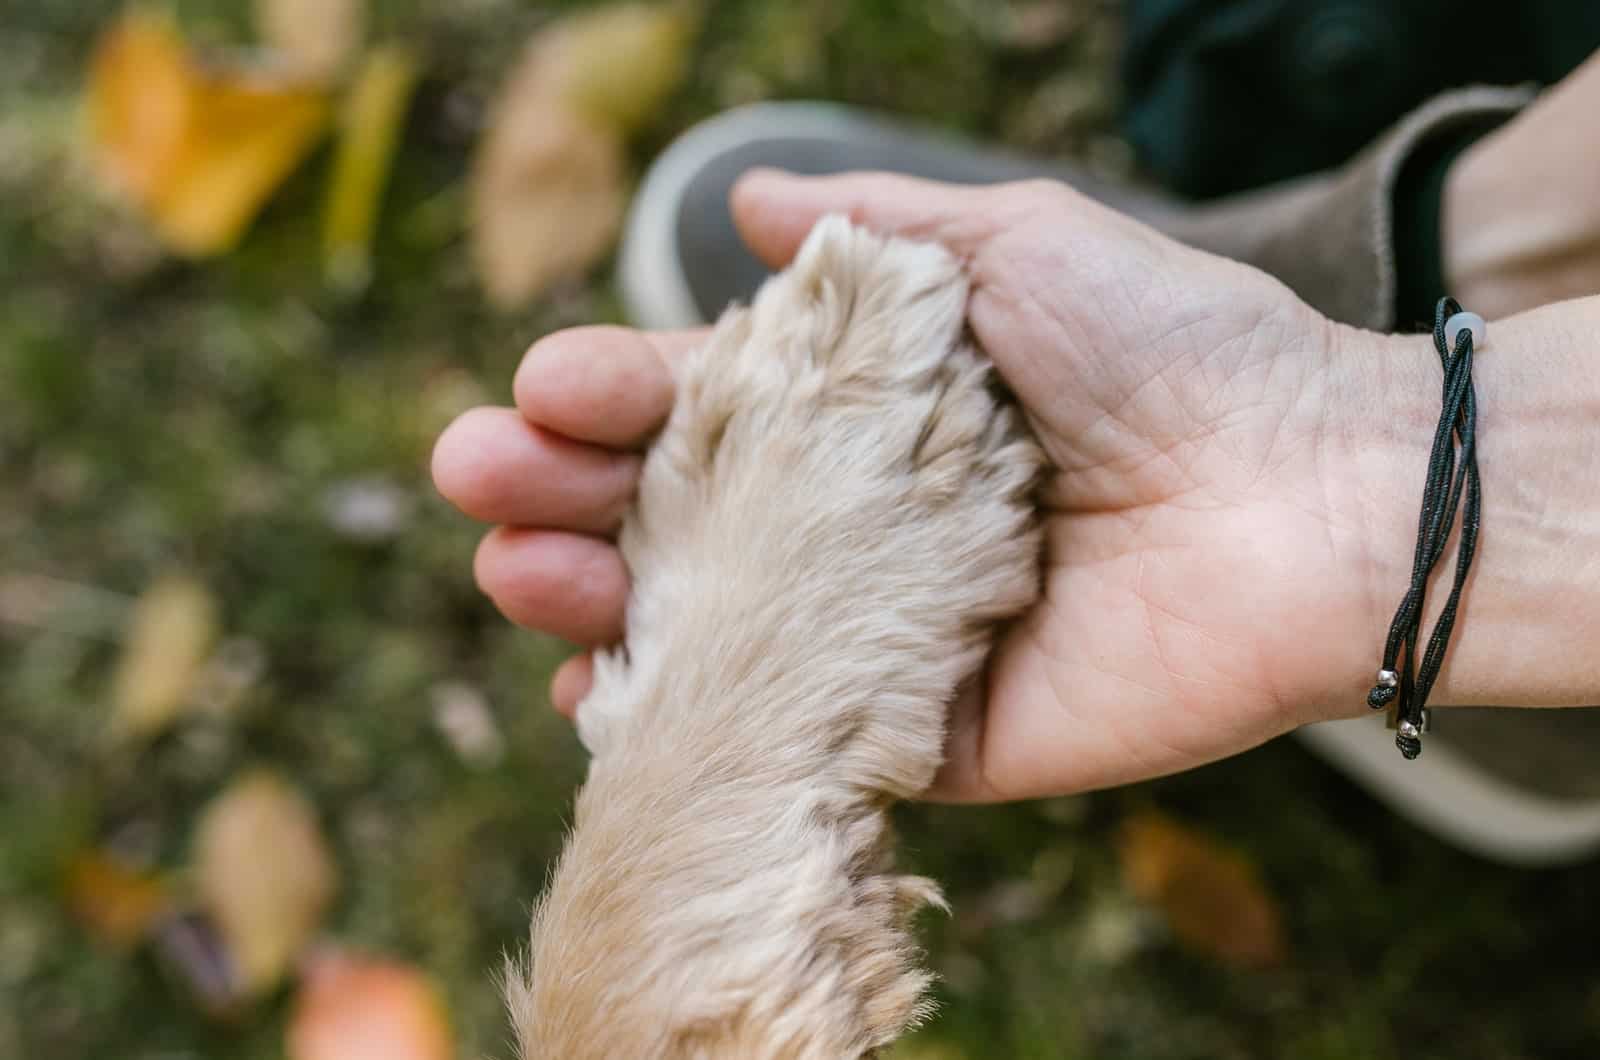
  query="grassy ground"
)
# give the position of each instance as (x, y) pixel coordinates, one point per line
(156, 416)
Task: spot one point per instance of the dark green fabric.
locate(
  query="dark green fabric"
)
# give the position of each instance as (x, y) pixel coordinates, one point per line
(1225, 95)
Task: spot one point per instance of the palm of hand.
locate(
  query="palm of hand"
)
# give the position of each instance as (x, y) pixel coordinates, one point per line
(1188, 518)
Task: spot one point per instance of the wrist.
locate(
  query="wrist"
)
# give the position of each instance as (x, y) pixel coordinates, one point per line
(1373, 452)
(1531, 609)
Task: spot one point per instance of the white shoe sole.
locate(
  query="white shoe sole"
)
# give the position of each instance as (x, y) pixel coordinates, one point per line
(1445, 794)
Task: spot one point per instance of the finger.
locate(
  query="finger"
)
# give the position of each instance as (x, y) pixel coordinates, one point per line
(606, 385)
(774, 210)
(571, 683)
(573, 586)
(496, 466)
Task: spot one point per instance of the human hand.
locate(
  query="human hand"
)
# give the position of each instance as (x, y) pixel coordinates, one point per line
(1519, 222)
(1206, 566)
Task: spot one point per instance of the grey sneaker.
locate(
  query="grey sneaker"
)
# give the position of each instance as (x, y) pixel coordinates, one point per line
(680, 215)
(1515, 786)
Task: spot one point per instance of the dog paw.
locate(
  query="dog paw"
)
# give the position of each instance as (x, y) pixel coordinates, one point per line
(828, 529)
(830, 524)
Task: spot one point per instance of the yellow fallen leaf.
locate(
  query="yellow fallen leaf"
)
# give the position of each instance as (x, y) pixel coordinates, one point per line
(138, 98)
(547, 198)
(116, 903)
(246, 140)
(363, 1008)
(374, 115)
(169, 634)
(614, 65)
(318, 36)
(263, 872)
(1213, 899)
(197, 148)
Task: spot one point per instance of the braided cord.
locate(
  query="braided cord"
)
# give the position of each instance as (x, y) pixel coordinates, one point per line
(1452, 479)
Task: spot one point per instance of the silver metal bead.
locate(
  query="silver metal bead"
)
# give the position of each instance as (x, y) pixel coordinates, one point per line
(1409, 730)
(1388, 678)
(1427, 719)
(1464, 321)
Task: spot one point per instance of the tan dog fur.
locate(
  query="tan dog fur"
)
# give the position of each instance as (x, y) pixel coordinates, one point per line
(828, 530)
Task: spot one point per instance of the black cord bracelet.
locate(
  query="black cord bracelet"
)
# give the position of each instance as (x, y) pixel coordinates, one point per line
(1403, 684)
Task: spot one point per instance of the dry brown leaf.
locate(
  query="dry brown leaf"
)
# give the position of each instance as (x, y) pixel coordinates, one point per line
(263, 872)
(116, 903)
(352, 1007)
(169, 634)
(1213, 899)
(615, 65)
(318, 36)
(547, 198)
(547, 185)
(198, 148)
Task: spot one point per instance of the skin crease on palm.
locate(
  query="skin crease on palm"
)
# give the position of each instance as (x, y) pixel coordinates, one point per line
(1205, 524)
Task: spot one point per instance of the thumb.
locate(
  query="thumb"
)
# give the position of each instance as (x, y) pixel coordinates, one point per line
(775, 210)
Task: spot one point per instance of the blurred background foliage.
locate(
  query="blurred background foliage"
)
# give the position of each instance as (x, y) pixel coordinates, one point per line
(257, 728)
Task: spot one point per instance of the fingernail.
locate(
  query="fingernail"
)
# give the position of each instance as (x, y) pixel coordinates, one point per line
(767, 173)
(761, 175)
